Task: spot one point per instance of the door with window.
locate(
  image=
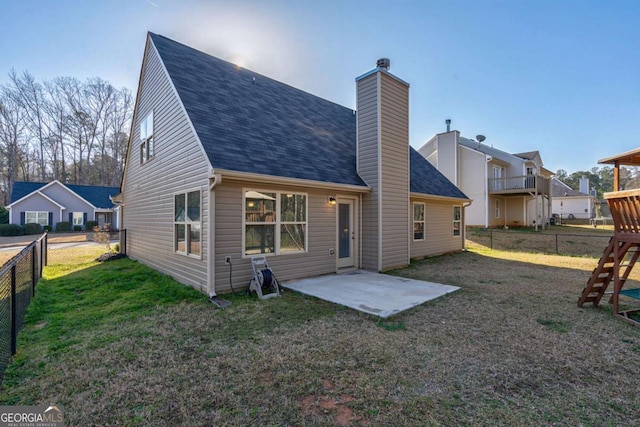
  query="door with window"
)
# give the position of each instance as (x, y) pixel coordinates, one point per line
(531, 179)
(346, 233)
(102, 219)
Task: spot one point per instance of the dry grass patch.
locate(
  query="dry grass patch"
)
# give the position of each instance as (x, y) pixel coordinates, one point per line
(6, 255)
(562, 240)
(74, 255)
(121, 343)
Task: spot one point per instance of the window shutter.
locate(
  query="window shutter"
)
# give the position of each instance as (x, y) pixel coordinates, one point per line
(50, 218)
(21, 218)
(84, 218)
(71, 217)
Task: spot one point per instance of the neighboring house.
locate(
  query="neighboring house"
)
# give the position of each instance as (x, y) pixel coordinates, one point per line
(54, 202)
(573, 204)
(224, 163)
(506, 189)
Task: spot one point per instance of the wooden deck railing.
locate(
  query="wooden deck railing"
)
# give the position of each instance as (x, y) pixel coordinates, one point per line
(519, 184)
(625, 211)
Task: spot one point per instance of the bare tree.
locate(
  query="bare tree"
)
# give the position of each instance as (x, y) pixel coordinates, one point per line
(57, 110)
(119, 119)
(12, 140)
(72, 131)
(100, 99)
(76, 124)
(30, 96)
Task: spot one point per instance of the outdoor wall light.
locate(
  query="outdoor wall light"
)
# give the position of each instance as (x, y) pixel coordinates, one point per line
(332, 200)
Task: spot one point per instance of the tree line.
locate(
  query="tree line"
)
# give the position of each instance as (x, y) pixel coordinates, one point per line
(65, 129)
(601, 178)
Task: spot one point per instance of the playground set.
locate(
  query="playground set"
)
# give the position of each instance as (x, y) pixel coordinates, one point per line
(623, 250)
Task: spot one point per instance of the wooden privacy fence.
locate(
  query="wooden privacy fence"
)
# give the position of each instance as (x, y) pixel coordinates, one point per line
(18, 279)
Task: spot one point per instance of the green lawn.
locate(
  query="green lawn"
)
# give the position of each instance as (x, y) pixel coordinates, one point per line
(119, 344)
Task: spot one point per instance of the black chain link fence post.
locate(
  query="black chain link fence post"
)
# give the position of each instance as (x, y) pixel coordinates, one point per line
(14, 332)
(18, 280)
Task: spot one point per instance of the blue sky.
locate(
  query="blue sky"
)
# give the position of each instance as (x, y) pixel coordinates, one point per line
(561, 77)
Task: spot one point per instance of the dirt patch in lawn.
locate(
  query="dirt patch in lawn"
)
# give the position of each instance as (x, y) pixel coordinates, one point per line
(330, 404)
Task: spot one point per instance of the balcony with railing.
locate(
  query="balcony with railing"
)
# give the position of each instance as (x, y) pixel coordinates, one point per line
(524, 184)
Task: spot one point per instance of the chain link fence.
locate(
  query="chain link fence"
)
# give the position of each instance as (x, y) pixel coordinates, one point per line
(591, 245)
(18, 279)
(23, 268)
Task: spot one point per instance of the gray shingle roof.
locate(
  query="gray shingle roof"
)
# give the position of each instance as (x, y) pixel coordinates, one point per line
(529, 155)
(251, 123)
(97, 196)
(560, 189)
(491, 151)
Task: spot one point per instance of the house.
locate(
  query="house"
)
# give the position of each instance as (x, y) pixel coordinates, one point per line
(568, 203)
(506, 189)
(224, 164)
(49, 203)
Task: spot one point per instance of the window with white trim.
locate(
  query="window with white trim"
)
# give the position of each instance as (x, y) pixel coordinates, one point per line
(187, 223)
(496, 209)
(274, 222)
(147, 149)
(36, 217)
(78, 218)
(418, 221)
(457, 220)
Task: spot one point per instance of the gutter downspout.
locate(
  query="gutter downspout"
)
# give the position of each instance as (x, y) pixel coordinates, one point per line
(214, 180)
(464, 229)
(487, 205)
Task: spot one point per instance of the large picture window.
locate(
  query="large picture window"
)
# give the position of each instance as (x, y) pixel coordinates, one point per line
(33, 217)
(418, 221)
(457, 220)
(274, 222)
(147, 150)
(187, 223)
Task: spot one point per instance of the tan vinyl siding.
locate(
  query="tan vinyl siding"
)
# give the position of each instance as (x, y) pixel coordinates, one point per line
(179, 165)
(394, 128)
(438, 224)
(367, 108)
(321, 236)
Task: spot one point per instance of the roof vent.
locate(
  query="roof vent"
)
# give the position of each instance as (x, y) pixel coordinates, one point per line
(383, 63)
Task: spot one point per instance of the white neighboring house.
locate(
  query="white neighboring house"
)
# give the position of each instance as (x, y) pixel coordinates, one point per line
(573, 204)
(506, 189)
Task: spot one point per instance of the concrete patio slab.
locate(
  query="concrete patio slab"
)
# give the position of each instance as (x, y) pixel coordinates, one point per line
(381, 295)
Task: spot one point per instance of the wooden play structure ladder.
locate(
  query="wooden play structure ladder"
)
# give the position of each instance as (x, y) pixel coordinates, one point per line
(620, 255)
(603, 274)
